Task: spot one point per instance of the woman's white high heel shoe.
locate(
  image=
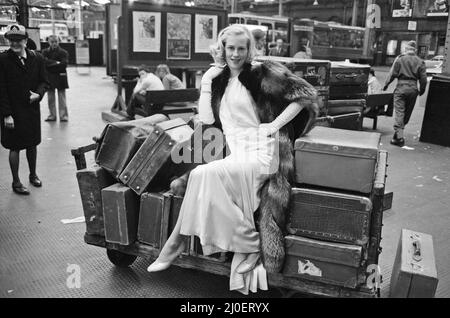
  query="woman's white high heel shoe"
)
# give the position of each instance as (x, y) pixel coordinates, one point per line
(158, 266)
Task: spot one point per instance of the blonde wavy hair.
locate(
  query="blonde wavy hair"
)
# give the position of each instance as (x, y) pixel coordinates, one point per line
(217, 51)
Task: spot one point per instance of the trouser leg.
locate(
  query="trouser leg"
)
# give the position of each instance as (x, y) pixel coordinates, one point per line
(131, 106)
(410, 102)
(31, 158)
(51, 102)
(399, 114)
(62, 106)
(14, 165)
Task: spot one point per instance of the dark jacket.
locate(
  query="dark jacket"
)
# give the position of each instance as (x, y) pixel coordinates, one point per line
(57, 73)
(274, 52)
(274, 87)
(16, 82)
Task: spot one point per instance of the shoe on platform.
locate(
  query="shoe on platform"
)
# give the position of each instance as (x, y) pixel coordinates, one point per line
(34, 180)
(20, 189)
(398, 141)
(158, 266)
(50, 118)
(64, 119)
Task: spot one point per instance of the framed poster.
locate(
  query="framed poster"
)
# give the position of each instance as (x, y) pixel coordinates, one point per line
(402, 8)
(146, 31)
(178, 36)
(437, 8)
(205, 32)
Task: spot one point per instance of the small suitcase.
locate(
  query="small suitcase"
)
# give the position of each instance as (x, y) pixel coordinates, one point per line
(347, 106)
(327, 262)
(119, 142)
(414, 274)
(349, 74)
(91, 181)
(330, 216)
(153, 162)
(154, 218)
(337, 158)
(120, 213)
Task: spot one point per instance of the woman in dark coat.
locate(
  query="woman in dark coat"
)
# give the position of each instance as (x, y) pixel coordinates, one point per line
(23, 83)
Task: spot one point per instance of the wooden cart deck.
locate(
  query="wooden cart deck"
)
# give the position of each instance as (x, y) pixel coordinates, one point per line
(380, 202)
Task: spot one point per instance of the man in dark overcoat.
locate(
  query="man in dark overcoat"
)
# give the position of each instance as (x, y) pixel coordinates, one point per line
(23, 83)
(57, 59)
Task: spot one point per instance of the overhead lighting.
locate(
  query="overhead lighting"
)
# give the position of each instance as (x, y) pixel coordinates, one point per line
(189, 3)
(316, 3)
(102, 1)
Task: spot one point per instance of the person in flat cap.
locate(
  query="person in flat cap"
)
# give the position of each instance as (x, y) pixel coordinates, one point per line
(408, 68)
(23, 83)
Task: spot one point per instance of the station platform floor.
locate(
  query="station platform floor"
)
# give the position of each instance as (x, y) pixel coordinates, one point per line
(37, 251)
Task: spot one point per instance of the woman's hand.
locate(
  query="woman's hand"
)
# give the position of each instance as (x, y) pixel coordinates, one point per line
(267, 129)
(34, 97)
(212, 73)
(9, 122)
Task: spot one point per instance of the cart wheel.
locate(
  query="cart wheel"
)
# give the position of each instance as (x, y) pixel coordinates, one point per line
(120, 259)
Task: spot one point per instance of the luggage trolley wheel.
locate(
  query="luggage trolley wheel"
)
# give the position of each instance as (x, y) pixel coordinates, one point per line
(120, 259)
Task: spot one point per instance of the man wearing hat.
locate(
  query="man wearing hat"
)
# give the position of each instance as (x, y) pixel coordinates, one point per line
(408, 68)
(23, 83)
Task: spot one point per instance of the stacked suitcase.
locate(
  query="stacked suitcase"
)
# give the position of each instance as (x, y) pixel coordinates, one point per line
(125, 196)
(315, 72)
(348, 94)
(331, 213)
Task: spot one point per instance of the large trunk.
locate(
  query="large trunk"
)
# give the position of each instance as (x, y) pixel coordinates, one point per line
(337, 158)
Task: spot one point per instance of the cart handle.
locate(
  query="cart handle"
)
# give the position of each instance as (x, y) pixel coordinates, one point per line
(79, 155)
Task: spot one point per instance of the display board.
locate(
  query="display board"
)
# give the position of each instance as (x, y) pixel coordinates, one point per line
(82, 52)
(177, 36)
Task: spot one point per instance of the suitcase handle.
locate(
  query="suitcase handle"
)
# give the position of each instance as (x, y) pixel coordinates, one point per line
(417, 254)
(340, 76)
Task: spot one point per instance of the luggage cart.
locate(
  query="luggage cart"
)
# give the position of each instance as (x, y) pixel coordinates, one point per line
(124, 256)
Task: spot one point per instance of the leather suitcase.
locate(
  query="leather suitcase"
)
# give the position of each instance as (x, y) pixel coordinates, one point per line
(153, 162)
(91, 181)
(119, 142)
(120, 213)
(315, 72)
(347, 106)
(348, 92)
(414, 274)
(327, 262)
(337, 158)
(330, 216)
(348, 80)
(154, 218)
(349, 74)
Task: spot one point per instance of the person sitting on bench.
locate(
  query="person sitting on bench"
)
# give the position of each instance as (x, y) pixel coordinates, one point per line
(374, 86)
(169, 80)
(147, 82)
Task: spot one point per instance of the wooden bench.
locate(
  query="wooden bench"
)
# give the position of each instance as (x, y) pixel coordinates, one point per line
(376, 106)
(176, 101)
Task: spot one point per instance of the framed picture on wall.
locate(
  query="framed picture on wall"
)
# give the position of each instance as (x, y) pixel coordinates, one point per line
(146, 31)
(402, 8)
(178, 36)
(437, 8)
(205, 32)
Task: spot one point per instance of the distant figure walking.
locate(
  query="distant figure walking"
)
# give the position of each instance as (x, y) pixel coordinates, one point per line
(408, 68)
(57, 59)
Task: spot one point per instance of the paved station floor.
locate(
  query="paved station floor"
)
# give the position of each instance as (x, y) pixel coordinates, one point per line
(38, 251)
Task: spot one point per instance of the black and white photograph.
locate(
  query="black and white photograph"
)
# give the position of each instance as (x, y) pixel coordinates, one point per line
(224, 158)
